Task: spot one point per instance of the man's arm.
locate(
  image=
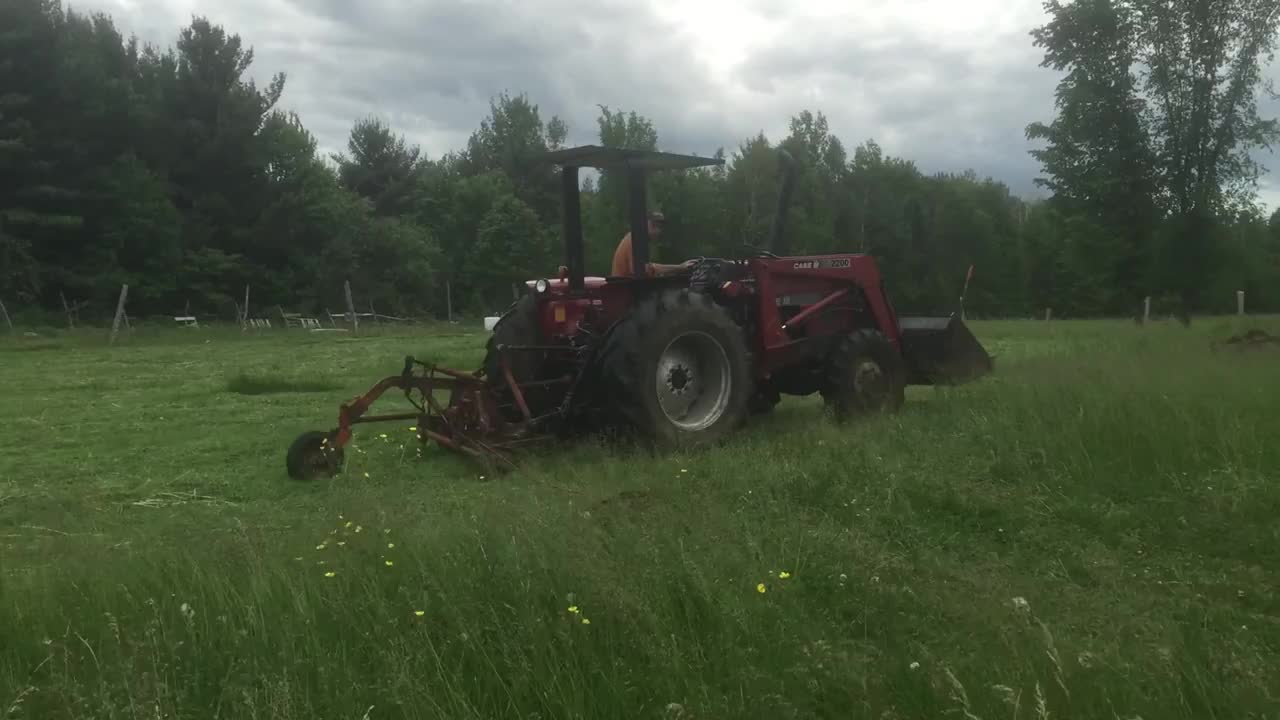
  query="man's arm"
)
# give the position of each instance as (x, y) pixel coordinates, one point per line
(660, 269)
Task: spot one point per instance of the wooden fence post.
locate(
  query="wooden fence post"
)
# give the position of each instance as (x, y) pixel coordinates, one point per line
(1239, 302)
(5, 313)
(1048, 314)
(71, 323)
(448, 300)
(1146, 309)
(115, 325)
(351, 307)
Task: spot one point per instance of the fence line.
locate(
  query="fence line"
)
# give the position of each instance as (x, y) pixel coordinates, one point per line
(351, 319)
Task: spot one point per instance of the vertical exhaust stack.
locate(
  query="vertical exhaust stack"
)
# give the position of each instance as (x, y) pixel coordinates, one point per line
(777, 234)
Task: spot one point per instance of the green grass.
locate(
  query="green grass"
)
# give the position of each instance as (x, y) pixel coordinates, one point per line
(249, 384)
(1091, 532)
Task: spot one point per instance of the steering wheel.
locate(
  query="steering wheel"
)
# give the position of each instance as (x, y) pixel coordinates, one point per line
(760, 252)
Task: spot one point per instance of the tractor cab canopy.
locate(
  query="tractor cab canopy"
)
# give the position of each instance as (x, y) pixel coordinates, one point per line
(635, 164)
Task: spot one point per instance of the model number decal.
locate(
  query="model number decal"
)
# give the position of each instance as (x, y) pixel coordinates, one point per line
(821, 264)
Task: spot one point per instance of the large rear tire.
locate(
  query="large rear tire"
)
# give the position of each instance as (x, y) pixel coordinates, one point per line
(677, 370)
(518, 326)
(865, 376)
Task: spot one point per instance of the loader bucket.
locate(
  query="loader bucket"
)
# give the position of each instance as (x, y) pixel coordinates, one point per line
(942, 351)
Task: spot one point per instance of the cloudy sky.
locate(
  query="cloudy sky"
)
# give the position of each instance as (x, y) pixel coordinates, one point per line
(949, 85)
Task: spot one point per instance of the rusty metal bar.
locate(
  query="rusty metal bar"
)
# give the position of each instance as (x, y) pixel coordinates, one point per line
(450, 443)
(459, 374)
(539, 348)
(542, 383)
(515, 389)
(386, 418)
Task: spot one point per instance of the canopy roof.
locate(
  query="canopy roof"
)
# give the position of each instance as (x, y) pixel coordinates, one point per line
(596, 156)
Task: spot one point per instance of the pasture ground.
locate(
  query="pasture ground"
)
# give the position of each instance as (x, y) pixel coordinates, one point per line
(1092, 532)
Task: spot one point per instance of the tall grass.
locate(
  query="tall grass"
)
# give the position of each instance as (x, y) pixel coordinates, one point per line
(1089, 533)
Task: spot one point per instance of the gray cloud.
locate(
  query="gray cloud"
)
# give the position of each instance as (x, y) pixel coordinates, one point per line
(928, 87)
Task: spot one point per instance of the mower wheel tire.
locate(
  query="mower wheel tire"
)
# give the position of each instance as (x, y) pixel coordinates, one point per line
(311, 456)
(677, 369)
(865, 376)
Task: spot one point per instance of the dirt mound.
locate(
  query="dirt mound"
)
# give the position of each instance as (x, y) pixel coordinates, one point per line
(1251, 339)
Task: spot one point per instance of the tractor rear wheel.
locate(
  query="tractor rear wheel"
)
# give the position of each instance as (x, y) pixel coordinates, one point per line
(518, 326)
(865, 376)
(677, 370)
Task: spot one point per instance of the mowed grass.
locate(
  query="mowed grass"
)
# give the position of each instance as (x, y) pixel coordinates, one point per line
(1094, 531)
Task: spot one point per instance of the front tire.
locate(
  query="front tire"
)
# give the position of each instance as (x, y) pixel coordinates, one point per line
(865, 376)
(677, 370)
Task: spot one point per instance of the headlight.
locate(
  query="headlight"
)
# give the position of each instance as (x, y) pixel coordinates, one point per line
(541, 286)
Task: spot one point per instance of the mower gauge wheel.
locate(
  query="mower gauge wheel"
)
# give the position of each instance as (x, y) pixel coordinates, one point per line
(311, 456)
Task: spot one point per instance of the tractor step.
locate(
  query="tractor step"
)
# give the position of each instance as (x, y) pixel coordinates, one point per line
(942, 351)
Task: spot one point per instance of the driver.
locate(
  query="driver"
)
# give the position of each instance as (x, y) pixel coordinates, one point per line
(622, 263)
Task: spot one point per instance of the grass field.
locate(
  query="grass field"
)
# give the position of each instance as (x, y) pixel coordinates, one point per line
(1093, 532)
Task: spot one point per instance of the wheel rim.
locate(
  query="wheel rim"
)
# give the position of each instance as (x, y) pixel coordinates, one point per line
(870, 382)
(693, 381)
(319, 459)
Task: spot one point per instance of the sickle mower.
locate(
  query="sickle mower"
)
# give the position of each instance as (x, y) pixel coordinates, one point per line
(677, 360)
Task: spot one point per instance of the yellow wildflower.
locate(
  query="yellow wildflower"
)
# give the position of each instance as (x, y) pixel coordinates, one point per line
(297, 558)
(388, 563)
(382, 435)
(321, 546)
(341, 543)
(573, 609)
(784, 575)
(366, 475)
(359, 528)
(586, 621)
(391, 546)
(330, 574)
(760, 588)
(348, 524)
(413, 428)
(419, 613)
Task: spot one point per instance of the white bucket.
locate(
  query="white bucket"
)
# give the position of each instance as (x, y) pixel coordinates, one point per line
(490, 322)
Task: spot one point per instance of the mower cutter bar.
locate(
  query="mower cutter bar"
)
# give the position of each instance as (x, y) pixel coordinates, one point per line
(470, 423)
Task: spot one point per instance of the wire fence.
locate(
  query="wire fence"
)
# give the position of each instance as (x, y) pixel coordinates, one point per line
(462, 303)
(453, 299)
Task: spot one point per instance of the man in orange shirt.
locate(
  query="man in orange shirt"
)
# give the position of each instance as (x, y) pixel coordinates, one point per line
(622, 261)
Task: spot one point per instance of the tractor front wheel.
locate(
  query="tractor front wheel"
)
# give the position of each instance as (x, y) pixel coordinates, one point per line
(865, 376)
(677, 370)
(312, 456)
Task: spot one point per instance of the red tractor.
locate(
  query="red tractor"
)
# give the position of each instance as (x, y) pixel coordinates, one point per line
(678, 360)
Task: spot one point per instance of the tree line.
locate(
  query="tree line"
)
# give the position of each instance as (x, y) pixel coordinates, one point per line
(169, 169)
